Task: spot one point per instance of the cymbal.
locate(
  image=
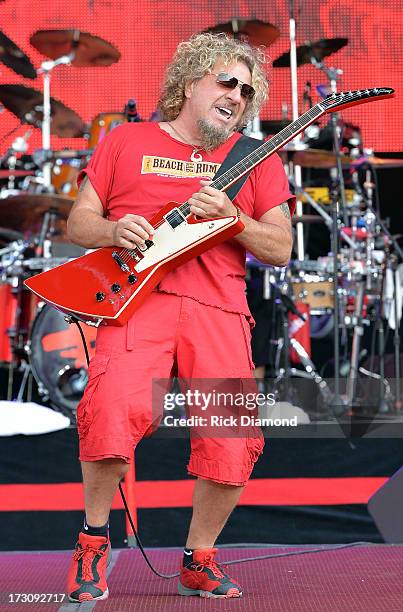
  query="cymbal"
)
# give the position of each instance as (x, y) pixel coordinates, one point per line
(24, 212)
(5, 174)
(8, 235)
(89, 50)
(307, 219)
(378, 162)
(319, 50)
(254, 31)
(27, 104)
(13, 57)
(315, 158)
(273, 126)
(68, 153)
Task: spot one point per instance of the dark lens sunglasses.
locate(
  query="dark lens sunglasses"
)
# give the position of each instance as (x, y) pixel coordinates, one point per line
(230, 82)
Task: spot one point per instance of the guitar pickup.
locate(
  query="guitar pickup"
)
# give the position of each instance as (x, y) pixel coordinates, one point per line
(175, 218)
(136, 256)
(122, 265)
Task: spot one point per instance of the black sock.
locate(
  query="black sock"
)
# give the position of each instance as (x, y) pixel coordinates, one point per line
(95, 531)
(187, 556)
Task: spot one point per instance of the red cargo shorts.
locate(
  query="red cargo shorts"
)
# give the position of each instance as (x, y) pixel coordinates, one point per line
(167, 334)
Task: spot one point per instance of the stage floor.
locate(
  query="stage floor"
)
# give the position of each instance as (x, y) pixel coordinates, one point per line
(364, 578)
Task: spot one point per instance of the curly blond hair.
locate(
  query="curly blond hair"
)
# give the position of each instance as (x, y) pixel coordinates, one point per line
(195, 57)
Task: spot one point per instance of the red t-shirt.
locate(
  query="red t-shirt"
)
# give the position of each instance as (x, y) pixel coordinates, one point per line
(138, 167)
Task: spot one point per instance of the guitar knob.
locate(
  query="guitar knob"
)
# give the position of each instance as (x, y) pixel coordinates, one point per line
(115, 287)
(99, 296)
(132, 278)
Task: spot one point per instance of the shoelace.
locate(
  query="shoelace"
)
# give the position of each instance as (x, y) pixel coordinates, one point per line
(87, 555)
(210, 564)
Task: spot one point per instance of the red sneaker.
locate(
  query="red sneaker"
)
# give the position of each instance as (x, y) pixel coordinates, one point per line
(203, 576)
(87, 575)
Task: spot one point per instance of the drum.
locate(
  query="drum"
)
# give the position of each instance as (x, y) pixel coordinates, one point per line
(322, 195)
(64, 176)
(17, 307)
(58, 360)
(316, 290)
(7, 321)
(102, 124)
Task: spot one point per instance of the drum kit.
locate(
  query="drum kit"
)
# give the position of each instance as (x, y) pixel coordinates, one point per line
(344, 291)
(37, 193)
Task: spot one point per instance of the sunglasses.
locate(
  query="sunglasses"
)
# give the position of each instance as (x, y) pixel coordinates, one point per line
(230, 82)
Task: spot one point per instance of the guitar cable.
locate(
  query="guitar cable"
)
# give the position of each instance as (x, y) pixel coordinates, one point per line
(72, 319)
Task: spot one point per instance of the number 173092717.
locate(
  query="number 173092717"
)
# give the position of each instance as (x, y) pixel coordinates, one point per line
(14, 598)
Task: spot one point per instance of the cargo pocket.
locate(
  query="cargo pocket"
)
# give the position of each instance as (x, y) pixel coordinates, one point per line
(98, 366)
(255, 445)
(247, 337)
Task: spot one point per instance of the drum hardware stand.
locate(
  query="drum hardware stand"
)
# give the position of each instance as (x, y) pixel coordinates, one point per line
(333, 74)
(364, 284)
(355, 349)
(46, 68)
(25, 383)
(338, 406)
(19, 350)
(337, 193)
(19, 145)
(310, 370)
(14, 251)
(373, 219)
(286, 306)
(394, 259)
(48, 229)
(319, 209)
(396, 340)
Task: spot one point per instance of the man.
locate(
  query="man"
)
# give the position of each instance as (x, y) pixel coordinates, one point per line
(195, 324)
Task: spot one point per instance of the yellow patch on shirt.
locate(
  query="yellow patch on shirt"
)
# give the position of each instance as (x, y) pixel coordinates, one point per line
(177, 168)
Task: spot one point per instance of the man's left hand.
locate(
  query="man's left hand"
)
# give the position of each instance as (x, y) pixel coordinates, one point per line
(210, 203)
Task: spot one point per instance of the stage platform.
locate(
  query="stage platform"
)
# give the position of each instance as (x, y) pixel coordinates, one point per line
(363, 578)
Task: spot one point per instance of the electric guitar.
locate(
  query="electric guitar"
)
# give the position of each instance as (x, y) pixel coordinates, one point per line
(107, 285)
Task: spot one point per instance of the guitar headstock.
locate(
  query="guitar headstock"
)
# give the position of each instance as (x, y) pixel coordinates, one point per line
(337, 101)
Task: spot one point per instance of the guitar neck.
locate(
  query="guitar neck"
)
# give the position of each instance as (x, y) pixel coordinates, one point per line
(265, 150)
(332, 103)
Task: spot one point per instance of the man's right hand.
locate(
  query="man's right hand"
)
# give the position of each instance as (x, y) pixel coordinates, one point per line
(132, 231)
(88, 227)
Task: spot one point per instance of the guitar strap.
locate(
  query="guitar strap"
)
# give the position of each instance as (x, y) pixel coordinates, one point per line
(241, 149)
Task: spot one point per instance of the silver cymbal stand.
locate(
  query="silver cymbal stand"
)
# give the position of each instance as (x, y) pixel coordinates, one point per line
(297, 140)
(334, 74)
(46, 68)
(337, 195)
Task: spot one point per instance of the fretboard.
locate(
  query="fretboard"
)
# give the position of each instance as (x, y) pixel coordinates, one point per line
(265, 150)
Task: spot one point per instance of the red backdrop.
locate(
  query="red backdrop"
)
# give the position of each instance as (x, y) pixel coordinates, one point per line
(147, 32)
